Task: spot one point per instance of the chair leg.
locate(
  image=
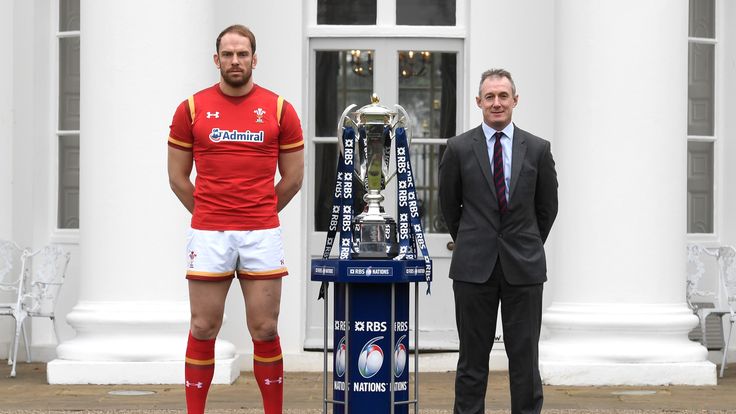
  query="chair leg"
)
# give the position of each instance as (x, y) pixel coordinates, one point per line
(16, 339)
(725, 348)
(56, 332)
(28, 344)
(10, 354)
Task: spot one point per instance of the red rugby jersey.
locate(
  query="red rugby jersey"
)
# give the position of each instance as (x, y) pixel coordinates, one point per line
(236, 143)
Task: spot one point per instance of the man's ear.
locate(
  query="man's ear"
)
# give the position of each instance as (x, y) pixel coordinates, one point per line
(255, 61)
(477, 101)
(216, 59)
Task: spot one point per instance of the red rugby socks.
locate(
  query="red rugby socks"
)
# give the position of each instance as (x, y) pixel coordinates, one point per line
(268, 368)
(199, 367)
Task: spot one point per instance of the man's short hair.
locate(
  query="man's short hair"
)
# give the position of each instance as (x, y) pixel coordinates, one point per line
(241, 30)
(497, 73)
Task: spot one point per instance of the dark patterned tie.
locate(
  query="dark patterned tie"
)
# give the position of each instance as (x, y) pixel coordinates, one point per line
(498, 176)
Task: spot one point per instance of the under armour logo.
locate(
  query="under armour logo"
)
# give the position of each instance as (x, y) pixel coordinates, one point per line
(194, 384)
(269, 381)
(213, 115)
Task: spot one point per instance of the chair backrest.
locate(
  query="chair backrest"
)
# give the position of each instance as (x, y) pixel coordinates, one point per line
(727, 270)
(47, 273)
(10, 266)
(720, 292)
(696, 293)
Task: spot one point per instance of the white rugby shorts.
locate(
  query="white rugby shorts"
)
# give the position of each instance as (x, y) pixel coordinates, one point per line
(218, 255)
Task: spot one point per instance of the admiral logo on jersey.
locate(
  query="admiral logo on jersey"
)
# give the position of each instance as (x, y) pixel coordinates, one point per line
(217, 135)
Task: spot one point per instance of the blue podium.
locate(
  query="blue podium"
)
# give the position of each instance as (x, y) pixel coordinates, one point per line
(370, 333)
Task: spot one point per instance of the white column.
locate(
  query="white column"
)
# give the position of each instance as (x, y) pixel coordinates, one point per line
(618, 315)
(139, 59)
(6, 124)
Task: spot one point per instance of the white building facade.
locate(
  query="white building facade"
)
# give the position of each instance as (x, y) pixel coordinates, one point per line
(632, 95)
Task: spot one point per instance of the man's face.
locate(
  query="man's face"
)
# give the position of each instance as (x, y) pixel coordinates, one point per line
(235, 60)
(497, 102)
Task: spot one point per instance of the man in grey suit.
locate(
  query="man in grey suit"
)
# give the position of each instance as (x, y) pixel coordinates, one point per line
(498, 195)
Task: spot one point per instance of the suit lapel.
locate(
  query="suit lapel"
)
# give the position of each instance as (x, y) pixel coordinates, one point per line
(518, 153)
(480, 148)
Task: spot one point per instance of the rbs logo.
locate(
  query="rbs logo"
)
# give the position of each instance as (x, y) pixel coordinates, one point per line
(370, 326)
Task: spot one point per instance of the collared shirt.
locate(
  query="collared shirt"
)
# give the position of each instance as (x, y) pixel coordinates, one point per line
(507, 141)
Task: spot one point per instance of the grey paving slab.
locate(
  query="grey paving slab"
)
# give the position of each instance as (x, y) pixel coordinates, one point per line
(29, 393)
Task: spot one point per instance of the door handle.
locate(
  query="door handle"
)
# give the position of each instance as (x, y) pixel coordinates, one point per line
(451, 245)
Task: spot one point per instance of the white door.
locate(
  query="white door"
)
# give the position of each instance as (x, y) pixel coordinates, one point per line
(425, 77)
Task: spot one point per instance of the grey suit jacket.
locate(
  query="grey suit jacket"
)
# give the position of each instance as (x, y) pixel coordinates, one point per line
(468, 201)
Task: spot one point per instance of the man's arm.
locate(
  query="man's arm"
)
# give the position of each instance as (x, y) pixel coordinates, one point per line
(180, 167)
(291, 169)
(545, 199)
(450, 191)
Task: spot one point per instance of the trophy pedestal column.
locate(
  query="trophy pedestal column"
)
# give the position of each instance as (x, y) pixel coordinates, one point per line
(371, 333)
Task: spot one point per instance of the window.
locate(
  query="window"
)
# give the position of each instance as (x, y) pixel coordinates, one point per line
(346, 12)
(343, 78)
(425, 12)
(68, 123)
(426, 82)
(400, 12)
(428, 92)
(701, 118)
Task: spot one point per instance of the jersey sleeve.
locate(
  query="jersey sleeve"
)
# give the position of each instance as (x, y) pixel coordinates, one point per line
(291, 137)
(180, 131)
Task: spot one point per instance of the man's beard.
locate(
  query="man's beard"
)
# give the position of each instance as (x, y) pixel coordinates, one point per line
(236, 82)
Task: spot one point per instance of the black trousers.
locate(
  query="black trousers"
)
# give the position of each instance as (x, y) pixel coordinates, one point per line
(476, 312)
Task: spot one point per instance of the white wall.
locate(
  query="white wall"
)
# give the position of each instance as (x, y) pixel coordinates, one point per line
(6, 120)
(6, 146)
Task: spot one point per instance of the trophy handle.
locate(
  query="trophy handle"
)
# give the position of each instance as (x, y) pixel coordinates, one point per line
(402, 119)
(341, 123)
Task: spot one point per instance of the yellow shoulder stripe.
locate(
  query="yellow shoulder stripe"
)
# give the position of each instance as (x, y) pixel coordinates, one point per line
(191, 107)
(180, 143)
(290, 146)
(279, 107)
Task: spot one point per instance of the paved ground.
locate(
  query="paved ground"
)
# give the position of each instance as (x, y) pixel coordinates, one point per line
(29, 393)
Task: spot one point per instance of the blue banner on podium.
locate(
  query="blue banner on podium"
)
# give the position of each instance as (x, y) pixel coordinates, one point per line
(364, 359)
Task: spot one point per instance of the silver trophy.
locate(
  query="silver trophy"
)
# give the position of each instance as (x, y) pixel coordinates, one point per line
(374, 231)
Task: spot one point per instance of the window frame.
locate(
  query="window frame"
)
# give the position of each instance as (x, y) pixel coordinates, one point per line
(387, 90)
(714, 236)
(385, 26)
(58, 234)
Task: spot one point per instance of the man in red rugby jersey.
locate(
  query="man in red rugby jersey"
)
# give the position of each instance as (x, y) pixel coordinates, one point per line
(236, 133)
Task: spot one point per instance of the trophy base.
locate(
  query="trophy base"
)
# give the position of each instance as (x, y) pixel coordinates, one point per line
(375, 239)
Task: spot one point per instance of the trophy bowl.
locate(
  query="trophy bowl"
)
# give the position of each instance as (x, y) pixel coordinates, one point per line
(374, 231)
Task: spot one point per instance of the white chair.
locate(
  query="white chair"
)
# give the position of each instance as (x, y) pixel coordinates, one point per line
(12, 279)
(47, 274)
(718, 302)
